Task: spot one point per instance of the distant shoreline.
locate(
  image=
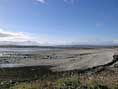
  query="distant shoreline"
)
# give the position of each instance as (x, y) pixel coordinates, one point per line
(60, 46)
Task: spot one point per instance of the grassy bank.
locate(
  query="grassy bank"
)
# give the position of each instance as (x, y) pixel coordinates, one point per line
(106, 79)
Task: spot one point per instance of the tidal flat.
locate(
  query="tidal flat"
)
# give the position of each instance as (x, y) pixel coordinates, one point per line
(27, 65)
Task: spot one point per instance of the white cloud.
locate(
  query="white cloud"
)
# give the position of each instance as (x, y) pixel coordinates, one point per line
(99, 24)
(13, 36)
(115, 41)
(69, 1)
(45, 1)
(41, 1)
(10, 37)
(27, 38)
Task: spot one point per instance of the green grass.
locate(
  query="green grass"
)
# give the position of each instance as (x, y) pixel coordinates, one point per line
(68, 83)
(73, 82)
(23, 86)
(102, 80)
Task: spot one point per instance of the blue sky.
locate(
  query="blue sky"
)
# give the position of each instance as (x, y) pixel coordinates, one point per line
(59, 21)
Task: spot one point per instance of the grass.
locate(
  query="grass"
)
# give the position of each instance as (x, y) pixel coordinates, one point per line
(103, 80)
(34, 85)
(73, 82)
(68, 83)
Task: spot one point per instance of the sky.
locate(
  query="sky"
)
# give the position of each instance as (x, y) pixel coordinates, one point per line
(59, 22)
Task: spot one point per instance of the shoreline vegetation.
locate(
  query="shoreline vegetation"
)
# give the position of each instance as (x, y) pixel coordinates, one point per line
(104, 76)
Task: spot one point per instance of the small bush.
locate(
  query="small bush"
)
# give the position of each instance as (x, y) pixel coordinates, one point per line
(68, 83)
(95, 85)
(24, 86)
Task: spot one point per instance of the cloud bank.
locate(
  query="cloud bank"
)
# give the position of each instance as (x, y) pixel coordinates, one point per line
(9, 37)
(12, 36)
(22, 38)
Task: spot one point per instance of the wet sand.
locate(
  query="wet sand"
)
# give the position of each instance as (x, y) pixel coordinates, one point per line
(62, 60)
